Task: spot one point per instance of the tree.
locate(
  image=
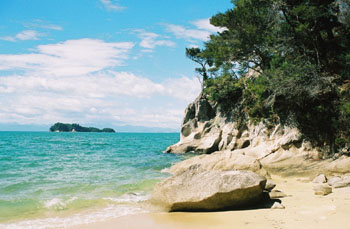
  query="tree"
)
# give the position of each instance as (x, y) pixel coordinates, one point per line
(301, 50)
(314, 25)
(249, 36)
(196, 55)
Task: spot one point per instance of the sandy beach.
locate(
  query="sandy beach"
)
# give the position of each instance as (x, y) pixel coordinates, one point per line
(303, 209)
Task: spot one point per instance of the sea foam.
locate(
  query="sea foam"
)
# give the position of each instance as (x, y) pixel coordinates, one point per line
(76, 219)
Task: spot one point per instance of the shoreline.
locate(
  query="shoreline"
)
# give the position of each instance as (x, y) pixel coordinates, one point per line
(303, 209)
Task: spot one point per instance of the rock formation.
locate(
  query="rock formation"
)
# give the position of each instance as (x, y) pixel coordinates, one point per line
(277, 205)
(277, 194)
(220, 161)
(197, 189)
(234, 160)
(322, 189)
(320, 179)
(252, 146)
(339, 181)
(206, 130)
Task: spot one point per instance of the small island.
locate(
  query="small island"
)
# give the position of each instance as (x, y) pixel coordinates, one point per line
(64, 127)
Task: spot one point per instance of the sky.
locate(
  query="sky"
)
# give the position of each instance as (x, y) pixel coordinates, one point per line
(107, 63)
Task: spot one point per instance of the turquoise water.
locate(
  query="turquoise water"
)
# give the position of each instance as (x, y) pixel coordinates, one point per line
(67, 178)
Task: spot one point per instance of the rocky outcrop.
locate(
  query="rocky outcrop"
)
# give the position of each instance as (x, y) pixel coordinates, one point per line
(206, 130)
(197, 189)
(198, 132)
(234, 159)
(251, 146)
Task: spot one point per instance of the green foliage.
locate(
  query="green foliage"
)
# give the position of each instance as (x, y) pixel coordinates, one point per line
(248, 36)
(302, 91)
(255, 95)
(198, 56)
(300, 51)
(225, 90)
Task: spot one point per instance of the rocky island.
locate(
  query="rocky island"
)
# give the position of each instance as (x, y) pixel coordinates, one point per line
(64, 127)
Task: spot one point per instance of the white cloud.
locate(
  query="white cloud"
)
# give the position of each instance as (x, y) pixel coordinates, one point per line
(204, 24)
(112, 5)
(28, 35)
(183, 88)
(37, 23)
(109, 96)
(160, 117)
(114, 97)
(188, 34)
(72, 81)
(150, 40)
(8, 38)
(201, 32)
(193, 46)
(101, 85)
(72, 57)
(24, 35)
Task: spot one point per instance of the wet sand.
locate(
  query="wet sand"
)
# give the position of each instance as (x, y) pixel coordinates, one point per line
(303, 209)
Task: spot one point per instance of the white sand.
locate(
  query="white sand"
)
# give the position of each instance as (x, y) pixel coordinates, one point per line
(303, 210)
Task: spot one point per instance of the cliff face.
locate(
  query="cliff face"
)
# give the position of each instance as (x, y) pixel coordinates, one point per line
(255, 147)
(206, 130)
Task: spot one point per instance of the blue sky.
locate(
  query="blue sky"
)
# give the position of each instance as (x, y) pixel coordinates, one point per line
(101, 62)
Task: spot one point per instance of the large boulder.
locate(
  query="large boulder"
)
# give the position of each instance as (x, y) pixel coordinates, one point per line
(200, 190)
(220, 161)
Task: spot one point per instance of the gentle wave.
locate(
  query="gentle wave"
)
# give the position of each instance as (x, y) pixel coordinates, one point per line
(131, 197)
(76, 219)
(126, 204)
(58, 204)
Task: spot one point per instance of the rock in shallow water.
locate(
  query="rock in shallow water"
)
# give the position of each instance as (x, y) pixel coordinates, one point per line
(200, 190)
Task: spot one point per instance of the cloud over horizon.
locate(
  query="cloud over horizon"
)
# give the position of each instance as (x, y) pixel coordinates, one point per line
(101, 61)
(111, 96)
(79, 81)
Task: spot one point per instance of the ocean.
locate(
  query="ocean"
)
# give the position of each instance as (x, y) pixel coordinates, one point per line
(64, 179)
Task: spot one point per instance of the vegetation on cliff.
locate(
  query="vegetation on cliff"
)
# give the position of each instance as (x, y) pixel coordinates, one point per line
(63, 127)
(283, 61)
